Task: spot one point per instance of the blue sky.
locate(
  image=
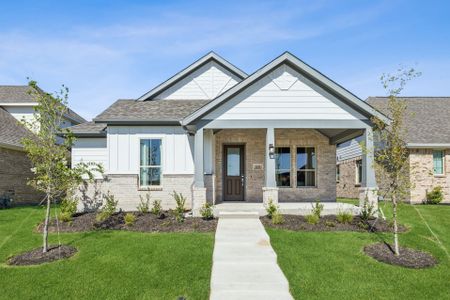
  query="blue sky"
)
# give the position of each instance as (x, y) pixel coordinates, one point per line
(105, 50)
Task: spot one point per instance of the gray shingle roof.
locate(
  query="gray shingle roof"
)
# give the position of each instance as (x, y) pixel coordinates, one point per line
(20, 94)
(11, 132)
(427, 120)
(164, 111)
(89, 129)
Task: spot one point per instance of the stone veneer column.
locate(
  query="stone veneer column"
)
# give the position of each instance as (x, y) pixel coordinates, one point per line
(270, 191)
(369, 187)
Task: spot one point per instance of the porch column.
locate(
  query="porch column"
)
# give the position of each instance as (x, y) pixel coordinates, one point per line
(368, 184)
(198, 190)
(270, 191)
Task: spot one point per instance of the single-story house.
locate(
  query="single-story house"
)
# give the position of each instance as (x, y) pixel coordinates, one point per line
(217, 134)
(16, 104)
(427, 123)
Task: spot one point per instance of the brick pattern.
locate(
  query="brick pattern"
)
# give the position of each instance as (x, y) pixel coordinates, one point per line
(126, 190)
(347, 187)
(14, 174)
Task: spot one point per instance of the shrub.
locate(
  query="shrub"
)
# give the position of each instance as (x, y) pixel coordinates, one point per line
(68, 208)
(317, 209)
(277, 218)
(330, 224)
(156, 207)
(367, 211)
(271, 209)
(312, 219)
(435, 196)
(344, 217)
(129, 219)
(180, 201)
(363, 225)
(207, 211)
(108, 209)
(144, 205)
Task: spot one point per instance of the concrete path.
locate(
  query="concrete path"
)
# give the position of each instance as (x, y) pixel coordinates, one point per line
(244, 263)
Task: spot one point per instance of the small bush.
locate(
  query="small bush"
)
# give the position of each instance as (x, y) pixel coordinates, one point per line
(312, 219)
(317, 209)
(330, 224)
(68, 208)
(367, 211)
(344, 217)
(144, 205)
(156, 207)
(108, 209)
(271, 209)
(363, 225)
(207, 211)
(180, 201)
(277, 218)
(129, 219)
(435, 196)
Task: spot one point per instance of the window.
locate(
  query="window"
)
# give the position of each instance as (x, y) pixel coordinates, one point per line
(283, 166)
(338, 173)
(358, 171)
(438, 162)
(306, 166)
(150, 162)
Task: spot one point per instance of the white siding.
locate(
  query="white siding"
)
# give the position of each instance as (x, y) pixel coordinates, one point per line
(123, 148)
(205, 83)
(90, 150)
(22, 113)
(348, 150)
(284, 94)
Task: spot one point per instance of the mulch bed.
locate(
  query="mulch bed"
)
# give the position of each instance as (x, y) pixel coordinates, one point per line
(409, 258)
(37, 257)
(166, 222)
(330, 223)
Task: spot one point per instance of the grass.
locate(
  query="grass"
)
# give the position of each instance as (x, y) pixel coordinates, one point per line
(331, 265)
(109, 264)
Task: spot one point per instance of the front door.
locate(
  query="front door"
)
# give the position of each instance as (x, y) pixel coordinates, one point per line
(234, 173)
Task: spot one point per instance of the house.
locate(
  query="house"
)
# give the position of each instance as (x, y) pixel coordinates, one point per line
(16, 104)
(216, 134)
(428, 140)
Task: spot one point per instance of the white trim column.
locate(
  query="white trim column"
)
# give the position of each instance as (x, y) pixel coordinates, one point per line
(198, 190)
(369, 188)
(270, 191)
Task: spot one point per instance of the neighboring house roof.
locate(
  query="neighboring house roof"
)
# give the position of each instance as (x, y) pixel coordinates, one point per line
(20, 95)
(89, 129)
(211, 56)
(427, 120)
(11, 132)
(169, 112)
(300, 66)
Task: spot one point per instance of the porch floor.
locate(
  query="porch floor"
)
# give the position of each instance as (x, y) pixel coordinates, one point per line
(291, 208)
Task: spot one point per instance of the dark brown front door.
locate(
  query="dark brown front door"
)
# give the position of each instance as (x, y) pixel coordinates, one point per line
(234, 173)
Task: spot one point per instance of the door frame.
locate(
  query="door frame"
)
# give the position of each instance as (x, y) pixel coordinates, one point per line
(224, 168)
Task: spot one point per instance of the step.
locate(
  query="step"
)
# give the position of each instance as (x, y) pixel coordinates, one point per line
(250, 295)
(238, 214)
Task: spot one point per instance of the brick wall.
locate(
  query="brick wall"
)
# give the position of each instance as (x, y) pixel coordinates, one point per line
(14, 174)
(347, 187)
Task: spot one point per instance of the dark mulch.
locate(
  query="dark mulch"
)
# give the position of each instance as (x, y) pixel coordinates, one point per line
(37, 257)
(166, 222)
(408, 257)
(330, 223)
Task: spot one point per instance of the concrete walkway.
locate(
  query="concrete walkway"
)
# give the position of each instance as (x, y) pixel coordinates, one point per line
(244, 263)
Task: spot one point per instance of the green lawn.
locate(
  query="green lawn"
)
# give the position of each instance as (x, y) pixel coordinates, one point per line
(109, 265)
(332, 265)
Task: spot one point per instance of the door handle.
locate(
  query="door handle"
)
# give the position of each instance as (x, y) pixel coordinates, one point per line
(242, 180)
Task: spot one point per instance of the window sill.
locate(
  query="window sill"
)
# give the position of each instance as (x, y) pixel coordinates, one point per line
(357, 184)
(439, 175)
(307, 187)
(150, 188)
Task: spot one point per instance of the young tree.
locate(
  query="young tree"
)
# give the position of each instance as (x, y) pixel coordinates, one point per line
(391, 156)
(50, 159)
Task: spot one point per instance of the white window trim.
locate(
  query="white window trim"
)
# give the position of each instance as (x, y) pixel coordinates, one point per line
(316, 185)
(357, 182)
(443, 163)
(150, 137)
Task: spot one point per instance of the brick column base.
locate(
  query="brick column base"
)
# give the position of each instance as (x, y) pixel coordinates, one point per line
(198, 200)
(270, 193)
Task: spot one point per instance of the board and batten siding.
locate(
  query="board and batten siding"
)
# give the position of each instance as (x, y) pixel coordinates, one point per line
(349, 150)
(124, 144)
(205, 83)
(90, 150)
(284, 94)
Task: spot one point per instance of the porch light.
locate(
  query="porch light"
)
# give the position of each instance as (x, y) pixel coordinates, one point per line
(271, 150)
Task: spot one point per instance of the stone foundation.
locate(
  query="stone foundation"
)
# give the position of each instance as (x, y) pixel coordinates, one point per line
(372, 197)
(270, 194)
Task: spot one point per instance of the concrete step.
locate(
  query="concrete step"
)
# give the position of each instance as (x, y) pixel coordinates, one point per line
(238, 214)
(260, 251)
(250, 295)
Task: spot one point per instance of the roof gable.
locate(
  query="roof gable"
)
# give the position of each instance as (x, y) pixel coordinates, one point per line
(203, 80)
(302, 68)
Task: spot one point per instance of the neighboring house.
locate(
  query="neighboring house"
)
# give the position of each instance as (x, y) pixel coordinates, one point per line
(428, 138)
(16, 104)
(216, 134)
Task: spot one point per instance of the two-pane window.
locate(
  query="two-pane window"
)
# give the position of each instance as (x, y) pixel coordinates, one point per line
(150, 162)
(438, 162)
(283, 166)
(306, 166)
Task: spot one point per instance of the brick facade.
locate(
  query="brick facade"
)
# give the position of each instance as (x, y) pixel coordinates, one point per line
(15, 170)
(346, 186)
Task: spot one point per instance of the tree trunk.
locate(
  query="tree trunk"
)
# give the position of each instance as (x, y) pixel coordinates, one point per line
(394, 214)
(47, 217)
